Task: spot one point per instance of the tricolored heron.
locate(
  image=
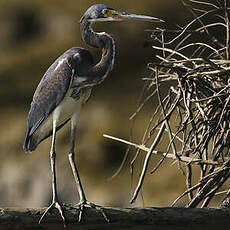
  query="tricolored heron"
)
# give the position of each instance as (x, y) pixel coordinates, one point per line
(66, 86)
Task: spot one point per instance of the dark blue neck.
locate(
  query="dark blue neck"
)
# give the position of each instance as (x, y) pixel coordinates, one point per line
(103, 41)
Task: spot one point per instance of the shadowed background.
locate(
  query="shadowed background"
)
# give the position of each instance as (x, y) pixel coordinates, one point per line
(32, 35)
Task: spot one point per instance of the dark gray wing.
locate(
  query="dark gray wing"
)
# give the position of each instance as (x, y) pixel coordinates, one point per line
(51, 91)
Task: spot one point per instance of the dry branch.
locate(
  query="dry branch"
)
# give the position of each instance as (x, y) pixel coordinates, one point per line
(195, 112)
(126, 218)
(167, 155)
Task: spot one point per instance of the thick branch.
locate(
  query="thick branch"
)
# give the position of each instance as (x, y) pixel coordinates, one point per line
(133, 218)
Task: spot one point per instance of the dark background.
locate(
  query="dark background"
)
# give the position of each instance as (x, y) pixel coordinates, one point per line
(32, 35)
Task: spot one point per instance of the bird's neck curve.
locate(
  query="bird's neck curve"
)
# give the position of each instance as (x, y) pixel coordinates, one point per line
(103, 41)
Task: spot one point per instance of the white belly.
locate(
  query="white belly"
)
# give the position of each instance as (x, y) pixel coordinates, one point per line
(68, 108)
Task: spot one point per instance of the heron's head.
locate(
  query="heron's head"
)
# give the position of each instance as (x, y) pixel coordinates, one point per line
(102, 12)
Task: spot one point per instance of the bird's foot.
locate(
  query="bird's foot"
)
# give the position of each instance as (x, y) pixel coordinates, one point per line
(55, 204)
(83, 204)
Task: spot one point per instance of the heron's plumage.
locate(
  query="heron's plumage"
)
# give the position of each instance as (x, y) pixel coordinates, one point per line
(68, 77)
(66, 86)
(52, 90)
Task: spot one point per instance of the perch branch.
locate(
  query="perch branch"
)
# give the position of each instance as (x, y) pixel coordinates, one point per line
(125, 218)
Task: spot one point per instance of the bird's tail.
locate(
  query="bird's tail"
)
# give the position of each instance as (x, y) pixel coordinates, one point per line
(32, 141)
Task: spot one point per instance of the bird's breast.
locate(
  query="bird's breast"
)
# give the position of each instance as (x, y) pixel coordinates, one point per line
(64, 111)
(69, 107)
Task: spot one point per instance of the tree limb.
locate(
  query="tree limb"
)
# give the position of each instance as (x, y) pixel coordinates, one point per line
(125, 218)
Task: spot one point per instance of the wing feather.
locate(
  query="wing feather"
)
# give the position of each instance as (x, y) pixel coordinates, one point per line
(52, 90)
(48, 95)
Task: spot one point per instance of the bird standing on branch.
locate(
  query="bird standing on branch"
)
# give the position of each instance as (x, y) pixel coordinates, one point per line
(66, 86)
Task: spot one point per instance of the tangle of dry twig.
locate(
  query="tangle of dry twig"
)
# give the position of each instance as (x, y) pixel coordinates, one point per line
(195, 112)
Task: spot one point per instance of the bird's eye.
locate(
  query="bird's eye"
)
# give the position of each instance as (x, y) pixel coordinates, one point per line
(110, 13)
(105, 12)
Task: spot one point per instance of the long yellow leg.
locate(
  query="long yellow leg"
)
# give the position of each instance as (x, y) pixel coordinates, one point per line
(83, 201)
(55, 203)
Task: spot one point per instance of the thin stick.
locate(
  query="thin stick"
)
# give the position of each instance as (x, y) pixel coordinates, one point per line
(146, 162)
(168, 155)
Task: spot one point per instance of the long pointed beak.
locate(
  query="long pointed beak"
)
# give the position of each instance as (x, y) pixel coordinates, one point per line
(114, 15)
(126, 16)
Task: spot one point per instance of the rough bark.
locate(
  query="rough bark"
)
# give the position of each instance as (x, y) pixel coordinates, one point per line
(125, 218)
